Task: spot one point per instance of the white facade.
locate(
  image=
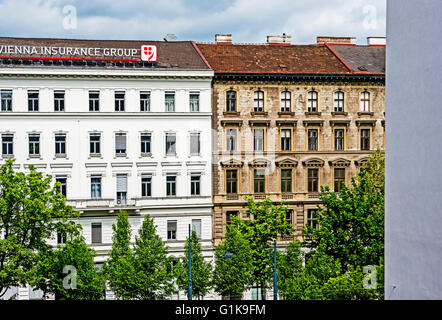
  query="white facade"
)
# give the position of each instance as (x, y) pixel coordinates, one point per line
(75, 162)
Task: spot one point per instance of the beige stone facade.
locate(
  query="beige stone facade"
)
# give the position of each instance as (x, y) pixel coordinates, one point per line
(286, 172)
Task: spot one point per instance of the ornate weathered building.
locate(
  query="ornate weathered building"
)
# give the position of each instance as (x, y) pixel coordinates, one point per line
(291, 118)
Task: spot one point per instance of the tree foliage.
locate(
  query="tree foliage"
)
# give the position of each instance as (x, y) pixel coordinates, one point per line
(31, 213)
(83, 281)
(232, 275)
(202, 270)
(266, 221)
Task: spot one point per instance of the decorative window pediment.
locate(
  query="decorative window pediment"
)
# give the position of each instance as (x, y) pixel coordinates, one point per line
(307, 123)
(232, 163)
(366, 123)
(313, 162)
(360, 162)
(259, 123)
(231, 123)
(291, 123)
(259, 163)
(339, 123)
(340, 162)
(286, 163)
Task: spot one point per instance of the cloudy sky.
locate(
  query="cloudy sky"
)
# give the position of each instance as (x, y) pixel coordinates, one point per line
(199, 20)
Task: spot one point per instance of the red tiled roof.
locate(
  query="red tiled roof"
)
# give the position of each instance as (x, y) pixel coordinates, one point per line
(276, 59)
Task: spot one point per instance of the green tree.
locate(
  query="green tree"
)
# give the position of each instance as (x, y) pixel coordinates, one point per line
(120, 269)
(201, 269)
(265, 223)
(290, 268)
(31, 212)
(232, 275)
(351, 224)
(69, 272)
(154, 278)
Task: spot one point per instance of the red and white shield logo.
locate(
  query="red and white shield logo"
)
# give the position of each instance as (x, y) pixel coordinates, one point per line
(148, 53)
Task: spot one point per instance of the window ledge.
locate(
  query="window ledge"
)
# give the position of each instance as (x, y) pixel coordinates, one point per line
(339, 113)
(365, 113)
(34, 156)
(7, 156)
(60, 155)
(146, 155)
(312, 113)
(259, 113)
(231, 113)
(286, 113)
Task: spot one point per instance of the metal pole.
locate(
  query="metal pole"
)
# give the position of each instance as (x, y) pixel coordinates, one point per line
(275, 281)
(189, 288)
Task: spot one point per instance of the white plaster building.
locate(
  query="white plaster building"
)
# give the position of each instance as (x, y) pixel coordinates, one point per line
(117, 132)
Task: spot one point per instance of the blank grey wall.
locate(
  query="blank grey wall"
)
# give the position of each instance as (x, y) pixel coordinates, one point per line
(413, 217)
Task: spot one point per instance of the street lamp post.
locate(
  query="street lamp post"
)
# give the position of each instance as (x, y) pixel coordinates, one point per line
(275, 280)
(189, 288)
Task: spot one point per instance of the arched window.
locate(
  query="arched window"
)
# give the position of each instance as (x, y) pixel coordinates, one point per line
(286, 99)
(259, 101)
(231, 101)
(312, 101)
(365, 101)
(339, 101)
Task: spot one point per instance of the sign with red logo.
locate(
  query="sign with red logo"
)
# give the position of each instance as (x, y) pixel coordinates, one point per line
(149, 53)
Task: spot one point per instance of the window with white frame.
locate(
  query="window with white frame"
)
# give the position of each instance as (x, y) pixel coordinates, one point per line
(339, 139)
(60, 144)
(146, 141)
(312, 139)
(96, 186)
(258, 139)
(365, 101)
(6, 100)
(195, 184)
(34, 144)
(171, 184)
(33, 100)
(94, 100)
(231, 101)
(312, 101)
(146, 185)
(94, 143)
(169, 99)
(339, 101)
(170, 144)
(144, 101)
(231, 139)
(286, 139)
(121, 188)
(171, 229)
(58, 100)
(195, 144)
(120, 143)
(62, 180)
(196, 226)
(7, 144)
(119, 100)
(96, 232)
(286, 98)
(194, 100)
(259, 101)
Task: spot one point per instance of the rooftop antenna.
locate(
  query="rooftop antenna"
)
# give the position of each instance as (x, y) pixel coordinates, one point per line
(170, 37)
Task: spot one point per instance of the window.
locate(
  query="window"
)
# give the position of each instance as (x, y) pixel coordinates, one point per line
(231, 139)
(146, 140)
(61, 238)
(32, 100)
(94, 143)
(171, 229)
(286, 180)
(7, 144)
(6, 100)
(171, 185)
(258, 139)
(259, 181)
(339, 139)
(312, 101)
(170, 101)
(194, 100)
(119, 100)
(312, 221)
(170, 144)
(144, 101)
(365, 101)
(312, 183)
(63, 186)
(259, 101)
(120, 143)
(288, 216)
(231, 101)
(95, 187)
(339, 101)
(94, 100)
(34, 144)
(195, 144)
(146, 185)
(96, 232)
(229, 215)
(285, 139)
(195, 184)
(339, 178)
(121, 188)
(60, 144)
(365, 139)
(231, 181)
(286, 98)
(258, 293)
(312, 139)
(196, 226)
(58, 100)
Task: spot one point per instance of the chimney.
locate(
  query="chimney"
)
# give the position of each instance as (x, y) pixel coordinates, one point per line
(223, 38)
(376, 41)
(283, 39)
(336, 40)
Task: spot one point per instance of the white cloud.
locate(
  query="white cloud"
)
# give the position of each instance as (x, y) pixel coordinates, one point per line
(247, 20)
